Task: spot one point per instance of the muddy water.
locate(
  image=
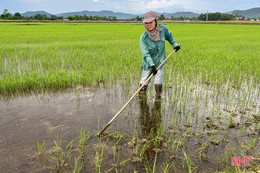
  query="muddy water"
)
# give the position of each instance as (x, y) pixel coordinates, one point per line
(28, 118)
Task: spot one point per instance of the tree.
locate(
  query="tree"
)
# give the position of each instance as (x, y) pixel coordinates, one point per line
(181, 18)
(53, 17)
(70, 17)
(227, 17)
(38, 17)
(6, 15)
(138, 18)
(96, 17)
(161, 17)
(173, 18)
(44, 17)
(85, 17)
(77, 17)
(17, 15)
(202, 17)
(193, 18)
(5, 11)
(214, 16)
(114, 18)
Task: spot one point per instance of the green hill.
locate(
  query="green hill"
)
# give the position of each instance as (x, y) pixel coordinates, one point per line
(33, 13)
(250, 13)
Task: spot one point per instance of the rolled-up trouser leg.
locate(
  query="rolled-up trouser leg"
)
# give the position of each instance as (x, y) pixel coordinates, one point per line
(157, 78)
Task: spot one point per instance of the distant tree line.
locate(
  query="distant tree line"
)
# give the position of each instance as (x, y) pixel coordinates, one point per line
(211, 17)
(216, 16)
(7, 15)
(202, 17)
(85, 17)
(18, 16)
(162, 17)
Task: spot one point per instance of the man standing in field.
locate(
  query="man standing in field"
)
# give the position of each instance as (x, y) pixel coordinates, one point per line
(152, 43)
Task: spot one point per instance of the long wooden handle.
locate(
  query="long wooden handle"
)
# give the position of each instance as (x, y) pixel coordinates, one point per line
(134, 94)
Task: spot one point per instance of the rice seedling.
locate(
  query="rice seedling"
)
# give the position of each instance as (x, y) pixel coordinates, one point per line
(99, 159)
(191, 166)
(167, 167)
(83, 137)
(41, 147)
(99, 154)
(114, 153)
(57, 153)
(41, 150)
(173, 143)
(78, 165)
(250, 147)
(68, 156)
(201, 153)
(225, 158)
(241, 131)
(154, 164)
(179, 143)
(134, 137)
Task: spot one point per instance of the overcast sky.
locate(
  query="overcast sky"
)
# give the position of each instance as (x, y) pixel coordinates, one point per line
(127, 6)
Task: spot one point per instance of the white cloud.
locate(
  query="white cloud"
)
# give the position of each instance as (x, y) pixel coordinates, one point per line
(163, 5)
(174, 4)
(129, 6)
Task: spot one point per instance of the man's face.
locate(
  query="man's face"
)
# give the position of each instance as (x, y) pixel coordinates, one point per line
(151, 25)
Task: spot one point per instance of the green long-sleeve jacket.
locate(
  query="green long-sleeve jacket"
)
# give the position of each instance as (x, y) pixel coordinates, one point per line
(154, 51)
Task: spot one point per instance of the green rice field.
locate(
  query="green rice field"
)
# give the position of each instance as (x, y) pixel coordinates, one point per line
(54, 56)
(209, 113)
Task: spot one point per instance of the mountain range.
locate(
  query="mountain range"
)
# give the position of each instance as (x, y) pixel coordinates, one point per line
(250, 13)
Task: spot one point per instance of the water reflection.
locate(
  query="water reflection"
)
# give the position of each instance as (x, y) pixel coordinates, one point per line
(151, 124)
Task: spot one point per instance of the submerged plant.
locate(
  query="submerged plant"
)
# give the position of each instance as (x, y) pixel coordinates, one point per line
(68, 156)
(167, 167)
(41, 147)
(78, 165)
(57, 154)
(191, 166)
(83, 137)
(99, 154)
(154, 164)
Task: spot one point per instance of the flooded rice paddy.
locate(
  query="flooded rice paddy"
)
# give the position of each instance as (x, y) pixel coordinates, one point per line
(190, 129)
(208, 113)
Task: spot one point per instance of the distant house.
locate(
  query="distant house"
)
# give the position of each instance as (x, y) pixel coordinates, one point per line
(255, 19)
(238, 18)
